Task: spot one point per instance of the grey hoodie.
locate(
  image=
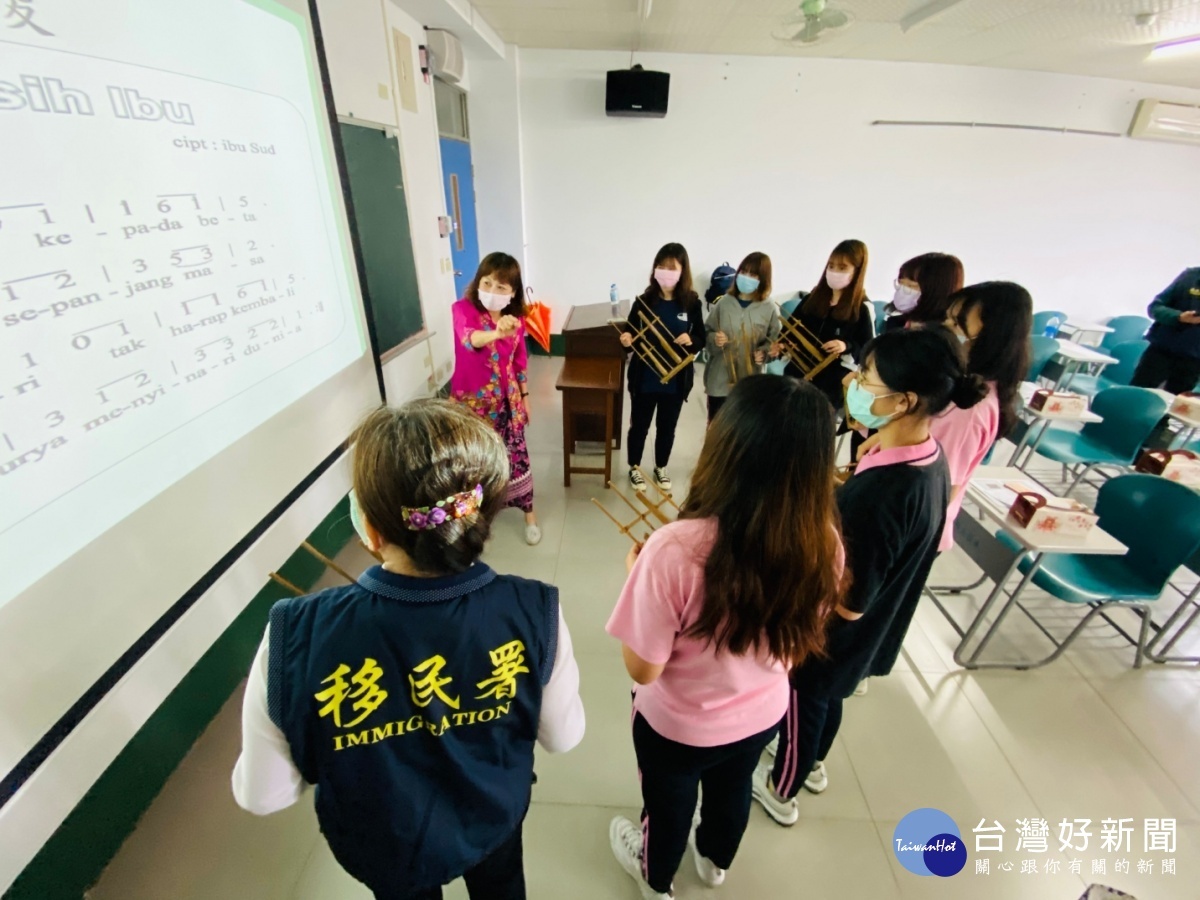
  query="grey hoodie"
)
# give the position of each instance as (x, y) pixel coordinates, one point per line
(754, 328)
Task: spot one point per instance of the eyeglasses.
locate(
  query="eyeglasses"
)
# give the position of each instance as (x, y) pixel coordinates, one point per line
(861, 378)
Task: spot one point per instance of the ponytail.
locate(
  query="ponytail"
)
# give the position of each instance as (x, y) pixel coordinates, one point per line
(969, 389)
(927, 362)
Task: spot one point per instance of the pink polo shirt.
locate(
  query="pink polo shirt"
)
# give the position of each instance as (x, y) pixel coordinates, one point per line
(702, 698)
(965, 436)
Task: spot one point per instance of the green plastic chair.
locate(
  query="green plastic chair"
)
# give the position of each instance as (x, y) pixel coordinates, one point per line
(1042, 319)
(1041, 350)
(1116, 374)
(1124, 329)
(1172, 631)
(1158, 520)
(1129, 414)
(880, 307)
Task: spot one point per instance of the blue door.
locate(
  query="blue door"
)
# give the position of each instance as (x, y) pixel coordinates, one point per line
(459, 182)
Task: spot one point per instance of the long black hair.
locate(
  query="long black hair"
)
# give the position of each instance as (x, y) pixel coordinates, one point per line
(1000, 352)
(850, 305)
(773, 578)
(925, 362)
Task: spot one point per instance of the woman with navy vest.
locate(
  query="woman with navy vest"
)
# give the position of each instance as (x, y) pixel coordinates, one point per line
(718, 606)
(1173, 358)
(893, 511)
(413, 699)
(670, 297)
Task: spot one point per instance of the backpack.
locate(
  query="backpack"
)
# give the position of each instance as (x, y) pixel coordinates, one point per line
(720, 282)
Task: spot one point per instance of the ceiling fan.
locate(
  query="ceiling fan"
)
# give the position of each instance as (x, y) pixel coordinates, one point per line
(813, 21)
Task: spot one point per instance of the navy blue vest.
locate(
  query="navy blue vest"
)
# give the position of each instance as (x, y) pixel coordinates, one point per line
(1175, 337)
(412, 704)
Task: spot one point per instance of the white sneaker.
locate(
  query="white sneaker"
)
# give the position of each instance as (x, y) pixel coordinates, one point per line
(626, 842)
(533, 535)
(638, 482)
(785, 812)
(710, 873)
(773, 747)
(817, 779)
(861, 689)
(663, 480)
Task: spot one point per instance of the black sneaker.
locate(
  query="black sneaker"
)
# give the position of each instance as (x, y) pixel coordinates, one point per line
(638, 482)
(663, 480)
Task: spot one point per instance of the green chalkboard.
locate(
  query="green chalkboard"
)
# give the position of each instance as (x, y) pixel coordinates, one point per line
(381, 216)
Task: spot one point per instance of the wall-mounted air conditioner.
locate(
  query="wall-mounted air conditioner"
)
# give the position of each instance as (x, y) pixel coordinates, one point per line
(446, 53)
(1159, 120)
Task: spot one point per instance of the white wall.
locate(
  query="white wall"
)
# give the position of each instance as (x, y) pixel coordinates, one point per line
(361, 57)
(494, 109)
(779, 155)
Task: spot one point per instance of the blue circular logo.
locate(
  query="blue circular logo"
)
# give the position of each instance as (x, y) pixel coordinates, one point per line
(928, 842)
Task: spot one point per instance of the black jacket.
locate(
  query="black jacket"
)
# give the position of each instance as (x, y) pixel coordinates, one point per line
(695, 330)
(857, 333)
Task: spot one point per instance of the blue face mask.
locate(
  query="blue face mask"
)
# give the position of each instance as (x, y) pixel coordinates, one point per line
(747, 284)
(356, 519)
(859, 402)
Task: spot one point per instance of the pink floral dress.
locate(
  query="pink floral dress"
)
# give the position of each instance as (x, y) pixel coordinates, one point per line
(489, 380)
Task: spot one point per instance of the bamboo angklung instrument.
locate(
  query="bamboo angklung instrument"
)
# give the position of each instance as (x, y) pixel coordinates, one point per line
(803, 349)
(739, 354)
(653, 511)
(655, 346)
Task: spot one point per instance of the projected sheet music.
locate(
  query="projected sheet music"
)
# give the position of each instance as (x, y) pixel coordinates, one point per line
(168, 280)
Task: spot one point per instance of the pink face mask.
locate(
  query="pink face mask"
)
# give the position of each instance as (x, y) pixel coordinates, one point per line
(839, 281)
(667, 278)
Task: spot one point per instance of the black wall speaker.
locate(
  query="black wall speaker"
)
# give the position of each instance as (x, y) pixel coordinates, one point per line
(636, 92)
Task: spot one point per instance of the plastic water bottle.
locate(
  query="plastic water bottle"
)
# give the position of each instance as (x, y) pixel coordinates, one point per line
(614, 299)
(1052, 326)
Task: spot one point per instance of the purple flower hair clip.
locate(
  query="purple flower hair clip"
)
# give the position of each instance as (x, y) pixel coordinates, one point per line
(426, 518)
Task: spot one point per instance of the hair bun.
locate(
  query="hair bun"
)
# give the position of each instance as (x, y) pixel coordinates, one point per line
(969, 389)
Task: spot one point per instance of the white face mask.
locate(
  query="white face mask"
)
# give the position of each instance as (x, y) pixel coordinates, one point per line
(494, 302)
(905, 298)
(839, 281)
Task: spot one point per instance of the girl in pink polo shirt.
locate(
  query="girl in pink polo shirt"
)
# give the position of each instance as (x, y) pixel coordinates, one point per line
(993, 321)
(718, 606)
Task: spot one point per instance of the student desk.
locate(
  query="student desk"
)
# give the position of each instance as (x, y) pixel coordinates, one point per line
(1072, 358)
(1076, 331)
(977, 537)
(590, 387)
(1037, 429)
(1189, 418)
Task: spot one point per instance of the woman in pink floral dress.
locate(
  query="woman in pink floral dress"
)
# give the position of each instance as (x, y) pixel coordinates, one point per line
(490, 364)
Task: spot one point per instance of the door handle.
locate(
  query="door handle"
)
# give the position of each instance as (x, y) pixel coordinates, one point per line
(458, 273)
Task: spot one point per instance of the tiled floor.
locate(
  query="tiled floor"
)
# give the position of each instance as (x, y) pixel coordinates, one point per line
(1086, 737)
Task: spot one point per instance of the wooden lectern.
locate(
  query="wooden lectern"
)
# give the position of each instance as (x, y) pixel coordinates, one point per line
(592, 382)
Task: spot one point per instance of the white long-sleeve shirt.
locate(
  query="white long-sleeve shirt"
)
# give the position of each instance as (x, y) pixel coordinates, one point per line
(266, 780)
